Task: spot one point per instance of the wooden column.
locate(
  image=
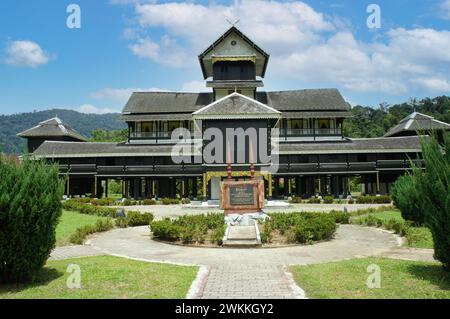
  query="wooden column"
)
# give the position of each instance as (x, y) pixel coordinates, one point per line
(205, 195)
(68, 185)
(270, 185)
(378, 183)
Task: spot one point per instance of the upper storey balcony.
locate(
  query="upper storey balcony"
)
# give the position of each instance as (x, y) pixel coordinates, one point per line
(158, 132)
(312, 129)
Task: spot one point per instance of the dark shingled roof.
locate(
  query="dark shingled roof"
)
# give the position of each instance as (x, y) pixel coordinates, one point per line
(365, 145)
(417, 122)
(52, 128)
(236, 105)
(93, 149)
(166, 102)
(296, 100)
(55, 149)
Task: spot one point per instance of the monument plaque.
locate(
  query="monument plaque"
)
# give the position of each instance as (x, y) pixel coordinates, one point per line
(242, 197)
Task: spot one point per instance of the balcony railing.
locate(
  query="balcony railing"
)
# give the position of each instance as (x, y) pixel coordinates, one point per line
(286, 133)
(161, 135)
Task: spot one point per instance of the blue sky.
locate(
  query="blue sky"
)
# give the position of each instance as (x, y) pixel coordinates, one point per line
(126, 45)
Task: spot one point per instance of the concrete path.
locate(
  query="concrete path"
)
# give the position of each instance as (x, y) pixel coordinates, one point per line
(240, 273)
(172, 211)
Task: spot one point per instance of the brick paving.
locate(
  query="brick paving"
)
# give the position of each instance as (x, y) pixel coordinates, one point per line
(247, 281)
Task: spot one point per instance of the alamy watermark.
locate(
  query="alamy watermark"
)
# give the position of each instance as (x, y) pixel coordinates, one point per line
(74, 19)
(74, 279)
(374, 19)
(374, 279)
(229, 146)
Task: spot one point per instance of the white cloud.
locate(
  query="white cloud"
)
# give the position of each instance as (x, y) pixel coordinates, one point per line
(445, 7)
(121, 94)
(25, 54)
(304, 44)
(166, 52)
(91, 109)
(195, 86)
(433, 84)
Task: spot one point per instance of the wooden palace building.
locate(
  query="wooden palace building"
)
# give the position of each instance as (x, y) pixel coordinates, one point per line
(294, 138)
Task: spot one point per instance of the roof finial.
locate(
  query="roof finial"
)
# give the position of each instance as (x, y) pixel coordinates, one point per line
(233, 24)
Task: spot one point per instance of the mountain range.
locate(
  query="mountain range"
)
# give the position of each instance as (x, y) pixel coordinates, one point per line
(366, 121)
(10, 125)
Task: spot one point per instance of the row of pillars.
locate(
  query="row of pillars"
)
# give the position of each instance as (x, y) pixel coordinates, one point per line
(276, 186)
(307, 186)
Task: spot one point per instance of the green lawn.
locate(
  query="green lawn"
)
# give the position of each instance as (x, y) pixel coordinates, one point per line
(107, 277)
(69, 222)
(399, 279)
(417, 237)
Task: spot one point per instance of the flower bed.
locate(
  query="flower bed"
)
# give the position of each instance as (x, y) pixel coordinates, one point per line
(197, 229)
(281, 228)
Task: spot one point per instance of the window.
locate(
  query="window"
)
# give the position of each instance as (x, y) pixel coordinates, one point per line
(173, 125)
(147, 127)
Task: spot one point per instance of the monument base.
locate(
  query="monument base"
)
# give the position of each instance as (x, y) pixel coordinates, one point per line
(242, 197)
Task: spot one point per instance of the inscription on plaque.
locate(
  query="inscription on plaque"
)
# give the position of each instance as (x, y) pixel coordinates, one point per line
(242, 195)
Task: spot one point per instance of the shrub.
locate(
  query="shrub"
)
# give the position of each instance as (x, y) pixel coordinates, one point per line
(122, 222)
(295, 200)
(384, 199)
(321, 227)
(149, 202)
(103, 202)
(170, 201)
(300, 227)
(351, 201)
(435, 191)
(139, 219)
(165, 230)
(218, 233)
(340, 217)
(328, 200)
(88, 209)
(185, 201)
(81, 233)
(30, 208)
(406, 192)
(314, 200)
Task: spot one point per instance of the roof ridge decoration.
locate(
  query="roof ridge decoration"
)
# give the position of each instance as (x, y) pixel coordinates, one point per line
(233, 29)
(417, 122)
(52, 127)
(236, 106)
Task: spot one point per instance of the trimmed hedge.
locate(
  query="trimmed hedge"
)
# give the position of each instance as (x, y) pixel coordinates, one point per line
(88, 209)
(190, 228)
(302, 227)
(139, 219)
(30, 208)
(102, 225)
(384, 199)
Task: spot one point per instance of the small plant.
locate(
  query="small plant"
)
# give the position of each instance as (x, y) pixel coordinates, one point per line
(139, 219)
(328, 200)
(185, 201)
(149, 202)
(314, 200)
(121, 222)
(79, 236)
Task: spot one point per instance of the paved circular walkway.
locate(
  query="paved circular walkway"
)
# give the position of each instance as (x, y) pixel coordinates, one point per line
(349, 241)
(245, 273)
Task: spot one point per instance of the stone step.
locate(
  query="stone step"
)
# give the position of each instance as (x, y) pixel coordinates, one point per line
(242, 233)
(241, 243)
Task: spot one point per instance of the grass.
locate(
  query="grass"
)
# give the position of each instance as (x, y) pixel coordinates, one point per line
(106, 277)
(417, 237)
(399, 279)
(69, 222)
